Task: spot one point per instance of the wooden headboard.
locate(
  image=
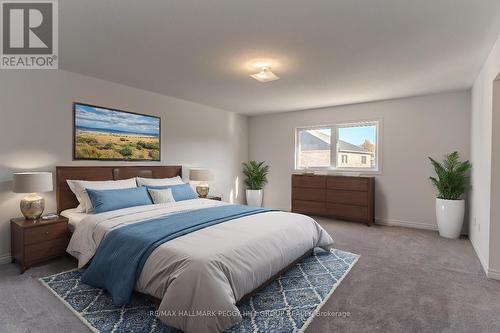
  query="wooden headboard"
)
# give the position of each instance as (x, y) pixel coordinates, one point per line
(65, 197)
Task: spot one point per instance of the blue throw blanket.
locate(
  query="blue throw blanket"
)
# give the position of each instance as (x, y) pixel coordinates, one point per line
(120, 257)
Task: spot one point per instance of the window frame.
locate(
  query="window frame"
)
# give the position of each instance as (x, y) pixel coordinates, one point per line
(333, 146)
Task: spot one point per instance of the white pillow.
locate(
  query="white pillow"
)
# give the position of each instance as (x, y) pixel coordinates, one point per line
(79, 189)
(159, 181)
(161, 196)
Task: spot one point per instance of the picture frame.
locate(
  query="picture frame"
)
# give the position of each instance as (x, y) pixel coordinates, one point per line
(109, 134)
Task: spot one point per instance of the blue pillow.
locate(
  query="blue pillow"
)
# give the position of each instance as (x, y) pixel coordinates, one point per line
(180, 192)
(106, 200)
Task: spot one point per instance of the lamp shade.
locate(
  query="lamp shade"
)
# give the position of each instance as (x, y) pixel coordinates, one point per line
(32, 182)
(201, 175)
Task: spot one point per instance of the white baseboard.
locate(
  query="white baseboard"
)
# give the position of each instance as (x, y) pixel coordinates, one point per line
(5, 258)
(394, 223)
(407, 224)
(493, 274)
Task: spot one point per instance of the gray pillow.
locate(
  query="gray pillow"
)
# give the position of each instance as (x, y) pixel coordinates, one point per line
(161, 196)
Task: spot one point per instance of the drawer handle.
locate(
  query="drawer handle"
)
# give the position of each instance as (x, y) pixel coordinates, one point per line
(46, 233)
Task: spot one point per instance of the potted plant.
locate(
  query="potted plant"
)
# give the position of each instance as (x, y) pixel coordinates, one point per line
(256, 177)
(451, 184)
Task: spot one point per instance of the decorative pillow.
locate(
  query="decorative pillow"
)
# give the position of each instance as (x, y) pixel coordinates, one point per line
(179, 192)
(106, 200)
(161, 196)
(159, 181)
(79, 189)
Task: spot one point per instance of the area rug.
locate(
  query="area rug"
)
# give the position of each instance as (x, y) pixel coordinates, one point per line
(288, 304)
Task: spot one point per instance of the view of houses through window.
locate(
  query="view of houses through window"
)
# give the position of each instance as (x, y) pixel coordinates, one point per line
(341, 146)
(314, 147)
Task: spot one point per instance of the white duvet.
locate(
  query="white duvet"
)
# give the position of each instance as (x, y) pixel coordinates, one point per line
(199, 277)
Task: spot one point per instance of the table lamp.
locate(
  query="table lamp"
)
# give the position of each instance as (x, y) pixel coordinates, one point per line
(32, 205)
(202, 176)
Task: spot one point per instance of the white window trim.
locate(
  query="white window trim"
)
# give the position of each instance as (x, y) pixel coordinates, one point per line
(333, 155)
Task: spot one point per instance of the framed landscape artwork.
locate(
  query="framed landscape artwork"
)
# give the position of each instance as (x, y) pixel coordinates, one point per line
(113, 135)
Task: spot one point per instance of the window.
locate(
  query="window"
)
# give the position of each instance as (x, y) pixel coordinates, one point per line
(352, 146)
(314, 147)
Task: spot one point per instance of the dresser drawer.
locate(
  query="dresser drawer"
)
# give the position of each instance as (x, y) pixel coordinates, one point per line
(309, 181)
(308, 207)
(342, 197)
(347, 183)
(43, 250)
(357, 213)
(309, 194)
(357, 198)
(45, 232)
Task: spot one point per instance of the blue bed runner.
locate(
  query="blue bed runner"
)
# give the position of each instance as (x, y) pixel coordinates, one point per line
(120, 257)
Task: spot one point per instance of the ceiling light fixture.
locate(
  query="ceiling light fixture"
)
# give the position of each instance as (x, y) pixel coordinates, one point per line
(265, 75)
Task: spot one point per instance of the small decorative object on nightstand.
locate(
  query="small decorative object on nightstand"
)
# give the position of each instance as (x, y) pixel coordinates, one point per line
(202, 176)
(211, 197)
(35, 241)
(32, 205)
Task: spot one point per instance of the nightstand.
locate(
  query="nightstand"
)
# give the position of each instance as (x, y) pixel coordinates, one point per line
(211, 197)
(35, 241)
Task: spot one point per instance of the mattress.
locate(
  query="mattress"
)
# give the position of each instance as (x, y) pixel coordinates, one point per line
(74, 217)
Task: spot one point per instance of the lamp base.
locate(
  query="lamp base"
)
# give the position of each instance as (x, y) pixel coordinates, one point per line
(32, 206)
(202, 191)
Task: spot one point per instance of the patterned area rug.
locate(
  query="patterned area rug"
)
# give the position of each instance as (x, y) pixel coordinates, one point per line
(286, 305)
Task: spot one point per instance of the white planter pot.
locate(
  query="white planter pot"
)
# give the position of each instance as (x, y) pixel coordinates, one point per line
(254, 198)
(450, 217)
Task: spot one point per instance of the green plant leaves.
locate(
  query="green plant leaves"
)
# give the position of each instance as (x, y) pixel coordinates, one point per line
(452, 180)
(256, 174)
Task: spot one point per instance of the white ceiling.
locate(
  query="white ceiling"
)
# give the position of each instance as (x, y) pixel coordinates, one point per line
(329, 52)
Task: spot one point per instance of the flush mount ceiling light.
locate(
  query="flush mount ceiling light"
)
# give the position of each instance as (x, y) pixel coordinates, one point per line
(265, 75)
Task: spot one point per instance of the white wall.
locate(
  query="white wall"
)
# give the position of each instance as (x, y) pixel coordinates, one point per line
(413, 128)
(494, 261)
(481, 155)
(36, 132)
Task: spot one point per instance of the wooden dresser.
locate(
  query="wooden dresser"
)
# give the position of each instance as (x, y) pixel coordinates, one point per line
(342, 197)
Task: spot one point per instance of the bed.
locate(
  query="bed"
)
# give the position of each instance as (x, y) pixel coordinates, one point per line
(199, 277)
